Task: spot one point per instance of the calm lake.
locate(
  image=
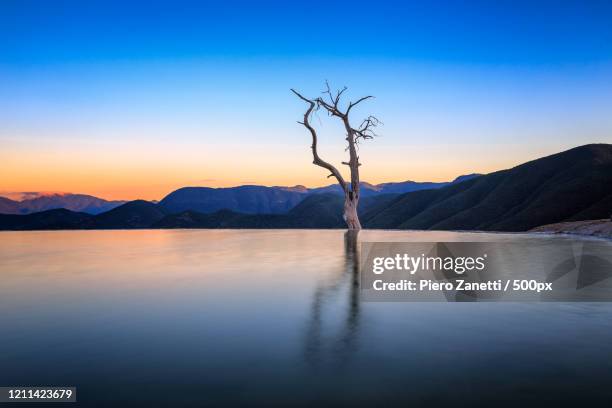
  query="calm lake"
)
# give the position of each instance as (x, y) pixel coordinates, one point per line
(273, 317)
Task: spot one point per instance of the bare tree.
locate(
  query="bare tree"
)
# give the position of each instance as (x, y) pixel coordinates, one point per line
(330, 103)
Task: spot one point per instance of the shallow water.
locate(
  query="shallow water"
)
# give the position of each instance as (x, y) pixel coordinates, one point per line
(273, 317)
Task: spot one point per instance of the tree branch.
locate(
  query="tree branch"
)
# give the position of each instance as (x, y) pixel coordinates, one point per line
(352, 104)
(315, 155)
(366, 129)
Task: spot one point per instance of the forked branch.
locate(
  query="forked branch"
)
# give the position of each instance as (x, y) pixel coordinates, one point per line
(317, 160)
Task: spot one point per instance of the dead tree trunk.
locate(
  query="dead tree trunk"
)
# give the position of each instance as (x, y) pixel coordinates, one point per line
(350, 212)
(353, 136)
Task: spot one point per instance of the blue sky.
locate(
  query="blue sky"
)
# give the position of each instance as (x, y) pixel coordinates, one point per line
(504, 32)
(127, 100)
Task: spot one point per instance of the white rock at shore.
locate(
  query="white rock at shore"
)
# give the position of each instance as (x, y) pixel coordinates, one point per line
(594, 228)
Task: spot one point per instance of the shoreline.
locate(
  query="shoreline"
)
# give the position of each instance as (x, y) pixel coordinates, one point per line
(594, 229)
(591, 228)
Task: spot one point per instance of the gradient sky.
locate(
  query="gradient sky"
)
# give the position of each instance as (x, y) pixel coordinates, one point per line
(133, 101)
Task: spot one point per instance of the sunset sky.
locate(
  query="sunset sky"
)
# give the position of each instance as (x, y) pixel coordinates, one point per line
(127, 102)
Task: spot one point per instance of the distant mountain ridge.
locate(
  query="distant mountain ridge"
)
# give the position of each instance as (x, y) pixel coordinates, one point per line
(33, 202)
(252, 199)
(315, 211)
(401, 187)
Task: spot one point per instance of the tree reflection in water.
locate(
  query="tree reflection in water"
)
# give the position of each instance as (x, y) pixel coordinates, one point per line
(336, 344)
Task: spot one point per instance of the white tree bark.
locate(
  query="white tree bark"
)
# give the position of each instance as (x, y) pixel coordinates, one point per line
(350, 213)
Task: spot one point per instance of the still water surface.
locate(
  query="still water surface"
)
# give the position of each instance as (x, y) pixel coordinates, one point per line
(226, 317)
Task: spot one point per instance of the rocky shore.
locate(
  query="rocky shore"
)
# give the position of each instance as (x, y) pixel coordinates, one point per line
(593, 228)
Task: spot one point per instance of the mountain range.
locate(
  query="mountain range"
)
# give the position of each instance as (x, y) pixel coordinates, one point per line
(247, 199)
(569, 186)
(31, 202)
(275, 200)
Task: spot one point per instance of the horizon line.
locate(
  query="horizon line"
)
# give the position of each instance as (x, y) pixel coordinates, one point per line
(38, 194)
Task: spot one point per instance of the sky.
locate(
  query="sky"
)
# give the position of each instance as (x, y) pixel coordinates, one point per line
(127, 100)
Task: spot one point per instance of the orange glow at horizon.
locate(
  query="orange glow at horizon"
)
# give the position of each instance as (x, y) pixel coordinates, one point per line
(130, 171)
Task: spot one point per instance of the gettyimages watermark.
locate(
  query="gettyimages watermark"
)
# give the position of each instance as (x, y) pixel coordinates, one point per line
(553, 271)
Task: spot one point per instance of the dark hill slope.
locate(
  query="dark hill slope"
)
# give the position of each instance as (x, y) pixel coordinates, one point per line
(600, 207)
(219, 219)
(571, 185)
(45, 220)
(316, 211)
(134, 214)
